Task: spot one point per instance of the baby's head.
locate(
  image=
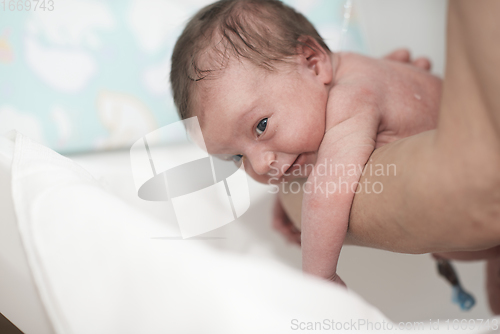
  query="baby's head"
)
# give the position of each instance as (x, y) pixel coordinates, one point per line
(257, 75)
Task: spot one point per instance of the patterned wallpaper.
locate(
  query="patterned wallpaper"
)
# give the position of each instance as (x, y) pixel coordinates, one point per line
(93, 75)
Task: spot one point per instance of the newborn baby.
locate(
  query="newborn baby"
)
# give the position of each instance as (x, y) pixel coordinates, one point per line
(267, 90)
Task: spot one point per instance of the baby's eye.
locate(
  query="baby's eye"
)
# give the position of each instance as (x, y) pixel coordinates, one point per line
(237, 157)
(261, 127)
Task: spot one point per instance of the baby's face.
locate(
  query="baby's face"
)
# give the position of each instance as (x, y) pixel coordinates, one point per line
(272, 119)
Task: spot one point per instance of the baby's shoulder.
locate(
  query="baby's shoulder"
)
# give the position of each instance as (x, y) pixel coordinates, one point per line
(352, 96)
(357, 90)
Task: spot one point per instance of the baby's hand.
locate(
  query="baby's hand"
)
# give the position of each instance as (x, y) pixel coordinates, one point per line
(336, 279)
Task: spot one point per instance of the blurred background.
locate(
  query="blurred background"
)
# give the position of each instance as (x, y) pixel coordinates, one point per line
(81, 76)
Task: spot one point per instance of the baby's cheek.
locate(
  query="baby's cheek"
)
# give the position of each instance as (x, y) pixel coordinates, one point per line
(311, 139)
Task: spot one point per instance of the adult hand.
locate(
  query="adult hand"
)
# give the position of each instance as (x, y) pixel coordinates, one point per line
(404, 56)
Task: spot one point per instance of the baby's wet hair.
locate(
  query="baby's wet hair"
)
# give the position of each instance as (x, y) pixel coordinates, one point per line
(265, 32)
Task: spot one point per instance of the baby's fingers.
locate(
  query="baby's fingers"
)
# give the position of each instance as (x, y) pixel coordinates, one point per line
(336, 279)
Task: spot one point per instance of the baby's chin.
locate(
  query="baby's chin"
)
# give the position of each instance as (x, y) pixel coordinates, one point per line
(295, 175)
(291, 176)
(301, 168)
(286, 178)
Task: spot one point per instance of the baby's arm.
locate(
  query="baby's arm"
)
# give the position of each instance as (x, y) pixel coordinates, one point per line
(325, 213)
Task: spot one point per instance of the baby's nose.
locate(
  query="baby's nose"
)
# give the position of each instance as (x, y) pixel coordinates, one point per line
(261, 163)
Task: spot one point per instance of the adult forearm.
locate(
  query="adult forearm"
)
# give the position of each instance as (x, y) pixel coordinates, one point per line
(445, 194)
(435, 201)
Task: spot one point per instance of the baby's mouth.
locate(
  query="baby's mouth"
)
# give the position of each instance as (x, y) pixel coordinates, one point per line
(294, 166)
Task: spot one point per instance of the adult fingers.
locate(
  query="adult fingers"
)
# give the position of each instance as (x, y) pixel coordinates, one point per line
(402, 55)
(423, 63)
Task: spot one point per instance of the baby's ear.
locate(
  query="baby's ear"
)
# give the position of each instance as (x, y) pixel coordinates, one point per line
(315, 58)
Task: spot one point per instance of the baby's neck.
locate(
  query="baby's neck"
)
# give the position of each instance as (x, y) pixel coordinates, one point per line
(343, 65)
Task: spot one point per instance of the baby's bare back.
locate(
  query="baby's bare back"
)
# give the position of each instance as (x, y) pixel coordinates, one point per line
(405, 98)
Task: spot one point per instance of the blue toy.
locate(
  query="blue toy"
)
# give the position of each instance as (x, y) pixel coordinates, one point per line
(461, 297)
